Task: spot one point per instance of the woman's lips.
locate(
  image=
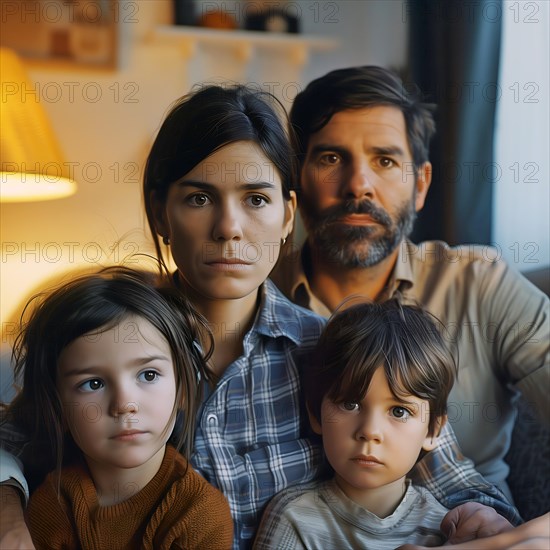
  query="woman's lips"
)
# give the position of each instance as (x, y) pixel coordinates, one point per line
(228, 264)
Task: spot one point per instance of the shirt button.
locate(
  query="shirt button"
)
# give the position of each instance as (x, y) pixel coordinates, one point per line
(212, 419)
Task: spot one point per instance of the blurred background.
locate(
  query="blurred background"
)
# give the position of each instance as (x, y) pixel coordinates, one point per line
(105, 72)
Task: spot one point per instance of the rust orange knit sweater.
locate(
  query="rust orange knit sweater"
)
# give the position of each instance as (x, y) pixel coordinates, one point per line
(177, 509)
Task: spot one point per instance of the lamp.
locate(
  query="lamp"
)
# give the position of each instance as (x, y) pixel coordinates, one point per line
(31, 162)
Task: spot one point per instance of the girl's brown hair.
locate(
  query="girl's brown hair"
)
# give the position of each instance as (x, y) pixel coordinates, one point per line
(91, 303)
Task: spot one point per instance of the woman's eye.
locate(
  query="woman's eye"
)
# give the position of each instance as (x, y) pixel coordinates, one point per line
(257, 201)
(400, 412)
(148, 376)
(386, 162)
(199, 199)
(91, 385)
(349, 406)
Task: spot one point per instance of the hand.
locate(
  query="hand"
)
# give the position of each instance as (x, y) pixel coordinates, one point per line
(473, 521)
(17, 537)
(14, 534)
(533, 535)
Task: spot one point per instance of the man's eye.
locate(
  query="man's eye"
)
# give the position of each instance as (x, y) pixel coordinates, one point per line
(400, 412)
(199, 199)
(91, 385)
(349, 406)
(329, 158)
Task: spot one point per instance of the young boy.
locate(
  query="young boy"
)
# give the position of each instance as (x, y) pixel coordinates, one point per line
(376, 392)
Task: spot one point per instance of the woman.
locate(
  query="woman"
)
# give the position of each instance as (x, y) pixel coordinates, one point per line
(218, 191)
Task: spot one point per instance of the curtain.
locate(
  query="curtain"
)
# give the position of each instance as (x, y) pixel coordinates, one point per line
(454, 54)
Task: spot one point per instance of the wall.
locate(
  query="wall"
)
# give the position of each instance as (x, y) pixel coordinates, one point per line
(106, 121)
(521, 207)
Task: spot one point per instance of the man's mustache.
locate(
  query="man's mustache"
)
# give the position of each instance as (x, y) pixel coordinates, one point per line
(338, 211)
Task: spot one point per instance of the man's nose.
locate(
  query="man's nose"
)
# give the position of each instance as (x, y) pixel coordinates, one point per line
(359, 180)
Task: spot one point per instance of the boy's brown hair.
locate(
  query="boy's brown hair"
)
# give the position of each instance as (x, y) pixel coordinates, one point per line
(402, 339)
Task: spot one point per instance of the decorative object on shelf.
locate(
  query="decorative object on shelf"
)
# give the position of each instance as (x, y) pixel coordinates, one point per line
(245, 45)
(263, 16)
(217, 19)
(32, 167)
(185, 12)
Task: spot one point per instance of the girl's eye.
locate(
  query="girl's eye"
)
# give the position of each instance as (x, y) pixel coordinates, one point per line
(198, 199)
(148, 376)
(400, 412)
(257, 201)
(349, 406)
(91, 385)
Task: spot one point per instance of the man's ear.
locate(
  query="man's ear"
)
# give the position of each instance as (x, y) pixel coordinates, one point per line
(158, 208)
(423, 181)
(290, 212)
(315, 424)
(430, 443)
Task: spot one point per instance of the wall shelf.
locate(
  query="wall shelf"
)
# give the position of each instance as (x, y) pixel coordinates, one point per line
(243, 44)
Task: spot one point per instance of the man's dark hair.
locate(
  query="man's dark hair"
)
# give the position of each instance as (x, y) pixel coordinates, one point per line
(359, 88)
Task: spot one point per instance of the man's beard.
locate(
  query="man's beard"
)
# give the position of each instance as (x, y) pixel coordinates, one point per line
(351, 246)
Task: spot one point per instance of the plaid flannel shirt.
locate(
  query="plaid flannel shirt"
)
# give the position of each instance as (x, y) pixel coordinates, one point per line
(250, 438)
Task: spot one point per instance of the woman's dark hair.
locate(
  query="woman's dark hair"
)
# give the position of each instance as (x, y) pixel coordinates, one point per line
(202, 122)
(90, 303)
(360, 88)
(402, 339)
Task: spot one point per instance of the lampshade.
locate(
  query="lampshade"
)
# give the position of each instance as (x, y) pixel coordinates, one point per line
(32, 167)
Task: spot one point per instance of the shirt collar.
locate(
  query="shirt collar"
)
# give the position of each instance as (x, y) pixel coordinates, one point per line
(277, 316)
(300, 291)
(401, 278)
(402, 275)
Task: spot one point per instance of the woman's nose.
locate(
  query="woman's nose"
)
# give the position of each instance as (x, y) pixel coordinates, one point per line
(227, 225)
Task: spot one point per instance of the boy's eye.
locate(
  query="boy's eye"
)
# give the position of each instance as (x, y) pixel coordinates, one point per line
(148, 376)
(400, 412)
(349, 406)
(91, 385)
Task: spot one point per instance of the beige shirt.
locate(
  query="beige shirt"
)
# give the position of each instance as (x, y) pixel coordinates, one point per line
(323, 517)
(496, 322)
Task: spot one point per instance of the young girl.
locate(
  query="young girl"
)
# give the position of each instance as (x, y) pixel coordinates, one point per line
(108, 362)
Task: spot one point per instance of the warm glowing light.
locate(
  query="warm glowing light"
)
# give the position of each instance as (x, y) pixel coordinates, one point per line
(27, 187)
(32, 167)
